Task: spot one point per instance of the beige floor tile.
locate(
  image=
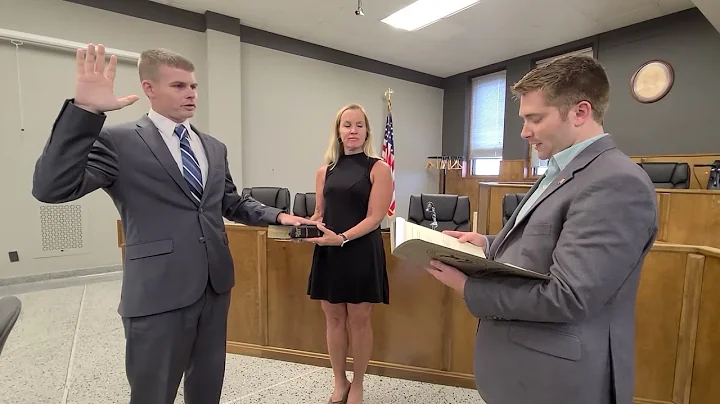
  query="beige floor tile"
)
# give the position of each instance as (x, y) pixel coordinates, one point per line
(68, 348)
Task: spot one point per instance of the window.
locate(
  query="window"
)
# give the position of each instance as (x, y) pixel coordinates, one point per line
(540, 166)
(487, 123)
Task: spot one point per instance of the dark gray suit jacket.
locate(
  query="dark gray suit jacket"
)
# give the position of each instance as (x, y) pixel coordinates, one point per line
(174, 246)
(570, 339)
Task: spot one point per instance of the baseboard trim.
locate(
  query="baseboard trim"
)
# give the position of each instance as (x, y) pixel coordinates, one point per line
(73, 273)
(650, 401)
(377, 368)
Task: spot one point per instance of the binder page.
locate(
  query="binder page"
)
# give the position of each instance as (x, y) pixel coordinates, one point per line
(414, 231)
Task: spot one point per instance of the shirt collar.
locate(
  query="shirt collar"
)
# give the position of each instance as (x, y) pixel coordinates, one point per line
(564, 157)
(165, 125)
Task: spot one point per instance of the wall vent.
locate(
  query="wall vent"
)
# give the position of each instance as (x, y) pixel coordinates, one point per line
(62, 229)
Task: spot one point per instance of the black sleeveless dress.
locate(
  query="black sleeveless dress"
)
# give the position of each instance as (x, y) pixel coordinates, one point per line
(356, 272)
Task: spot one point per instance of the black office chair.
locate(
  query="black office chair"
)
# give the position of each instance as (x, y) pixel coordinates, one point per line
(271, 196)
(452, 212)
(668, 174)
(714, 176)
(510, 203)
(304, 204)
(10, 308)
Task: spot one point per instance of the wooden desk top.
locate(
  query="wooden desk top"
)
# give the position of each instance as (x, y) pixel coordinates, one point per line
(528, 185)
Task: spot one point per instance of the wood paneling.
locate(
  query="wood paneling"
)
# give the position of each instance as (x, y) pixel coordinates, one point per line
(512, 170)
(427, 333)
(665, 328)
(657, 327)
(248, 317)
(690, 216)
(706, 364)
(417, 338)
(686, 216)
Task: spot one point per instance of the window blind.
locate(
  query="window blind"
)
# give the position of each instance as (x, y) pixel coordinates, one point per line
(487, 115)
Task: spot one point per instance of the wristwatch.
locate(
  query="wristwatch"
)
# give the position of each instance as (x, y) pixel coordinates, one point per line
(345, 239)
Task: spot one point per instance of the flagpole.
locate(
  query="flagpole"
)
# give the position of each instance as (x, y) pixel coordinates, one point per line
(388, 96)
(389, 152)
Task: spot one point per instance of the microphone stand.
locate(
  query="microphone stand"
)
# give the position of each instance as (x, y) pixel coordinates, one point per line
(431, 209)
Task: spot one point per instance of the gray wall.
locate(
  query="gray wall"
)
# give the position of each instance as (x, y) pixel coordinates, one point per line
(680, 123)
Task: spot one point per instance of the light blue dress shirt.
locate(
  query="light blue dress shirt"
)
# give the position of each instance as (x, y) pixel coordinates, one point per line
(556, 164)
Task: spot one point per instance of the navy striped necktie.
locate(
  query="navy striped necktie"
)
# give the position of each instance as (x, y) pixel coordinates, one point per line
(191, 166)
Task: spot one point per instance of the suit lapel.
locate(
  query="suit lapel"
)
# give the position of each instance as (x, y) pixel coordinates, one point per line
(211, 154)
(149, 133)
(561, 179)
(511, 222)
(583, 159)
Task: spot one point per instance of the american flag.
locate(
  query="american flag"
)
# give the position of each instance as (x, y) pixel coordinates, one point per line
(388, 156)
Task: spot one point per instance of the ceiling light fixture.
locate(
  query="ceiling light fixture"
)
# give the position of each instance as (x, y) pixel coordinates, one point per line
(425, 12)
(359, 11)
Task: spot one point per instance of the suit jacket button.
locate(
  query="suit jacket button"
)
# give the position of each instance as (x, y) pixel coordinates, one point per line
(201, 210)
(202, 239)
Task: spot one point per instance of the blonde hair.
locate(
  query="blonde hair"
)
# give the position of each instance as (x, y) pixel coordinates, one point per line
(568, 80)
(335, 148)
(152, 59)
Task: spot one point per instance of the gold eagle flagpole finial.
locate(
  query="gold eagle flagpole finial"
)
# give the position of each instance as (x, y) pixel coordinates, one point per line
(388, 96)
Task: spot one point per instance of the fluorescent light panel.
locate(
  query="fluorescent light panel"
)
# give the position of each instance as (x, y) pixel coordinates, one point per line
(425, 12)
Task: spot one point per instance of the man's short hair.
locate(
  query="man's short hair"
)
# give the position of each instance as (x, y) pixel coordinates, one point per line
(152, 59)
(568, 80)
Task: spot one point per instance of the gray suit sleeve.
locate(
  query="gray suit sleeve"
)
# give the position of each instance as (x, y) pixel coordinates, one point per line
(607, 230)
(78, 158)
(242, 208)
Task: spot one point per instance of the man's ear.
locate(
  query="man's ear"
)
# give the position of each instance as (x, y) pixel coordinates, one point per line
(582, 113)
(147, 87)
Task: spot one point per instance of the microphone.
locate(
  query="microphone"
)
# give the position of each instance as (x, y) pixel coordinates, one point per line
(431, 209)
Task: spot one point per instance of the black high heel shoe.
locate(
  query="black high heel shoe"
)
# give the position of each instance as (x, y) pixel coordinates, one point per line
(344, 398)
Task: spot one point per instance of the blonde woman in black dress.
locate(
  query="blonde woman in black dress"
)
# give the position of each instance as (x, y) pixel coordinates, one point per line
(348, 274)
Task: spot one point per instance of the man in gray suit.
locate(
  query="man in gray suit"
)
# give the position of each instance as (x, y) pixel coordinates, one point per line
(172, 187)
(589, 223)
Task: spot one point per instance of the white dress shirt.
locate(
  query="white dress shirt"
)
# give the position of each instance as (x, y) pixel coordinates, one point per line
(166, 127)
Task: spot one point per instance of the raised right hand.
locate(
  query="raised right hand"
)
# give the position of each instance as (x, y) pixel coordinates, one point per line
(94, 86)
(468, 237)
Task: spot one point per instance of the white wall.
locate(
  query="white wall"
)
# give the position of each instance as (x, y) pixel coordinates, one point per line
(275, 115)
(289, 105)
(46, 79)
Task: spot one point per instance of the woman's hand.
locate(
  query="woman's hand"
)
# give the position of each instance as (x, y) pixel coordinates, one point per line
(329, 238)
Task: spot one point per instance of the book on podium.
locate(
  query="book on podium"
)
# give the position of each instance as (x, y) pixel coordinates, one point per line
(419, 245)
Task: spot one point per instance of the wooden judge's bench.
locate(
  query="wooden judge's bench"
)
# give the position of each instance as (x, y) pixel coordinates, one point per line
(427, 334)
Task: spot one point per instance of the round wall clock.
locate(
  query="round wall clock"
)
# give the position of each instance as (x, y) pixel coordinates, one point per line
(652, 81)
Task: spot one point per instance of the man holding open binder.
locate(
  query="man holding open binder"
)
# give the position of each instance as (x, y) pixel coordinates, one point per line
(589, 223)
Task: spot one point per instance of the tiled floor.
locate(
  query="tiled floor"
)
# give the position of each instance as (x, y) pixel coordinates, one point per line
(68, 345)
